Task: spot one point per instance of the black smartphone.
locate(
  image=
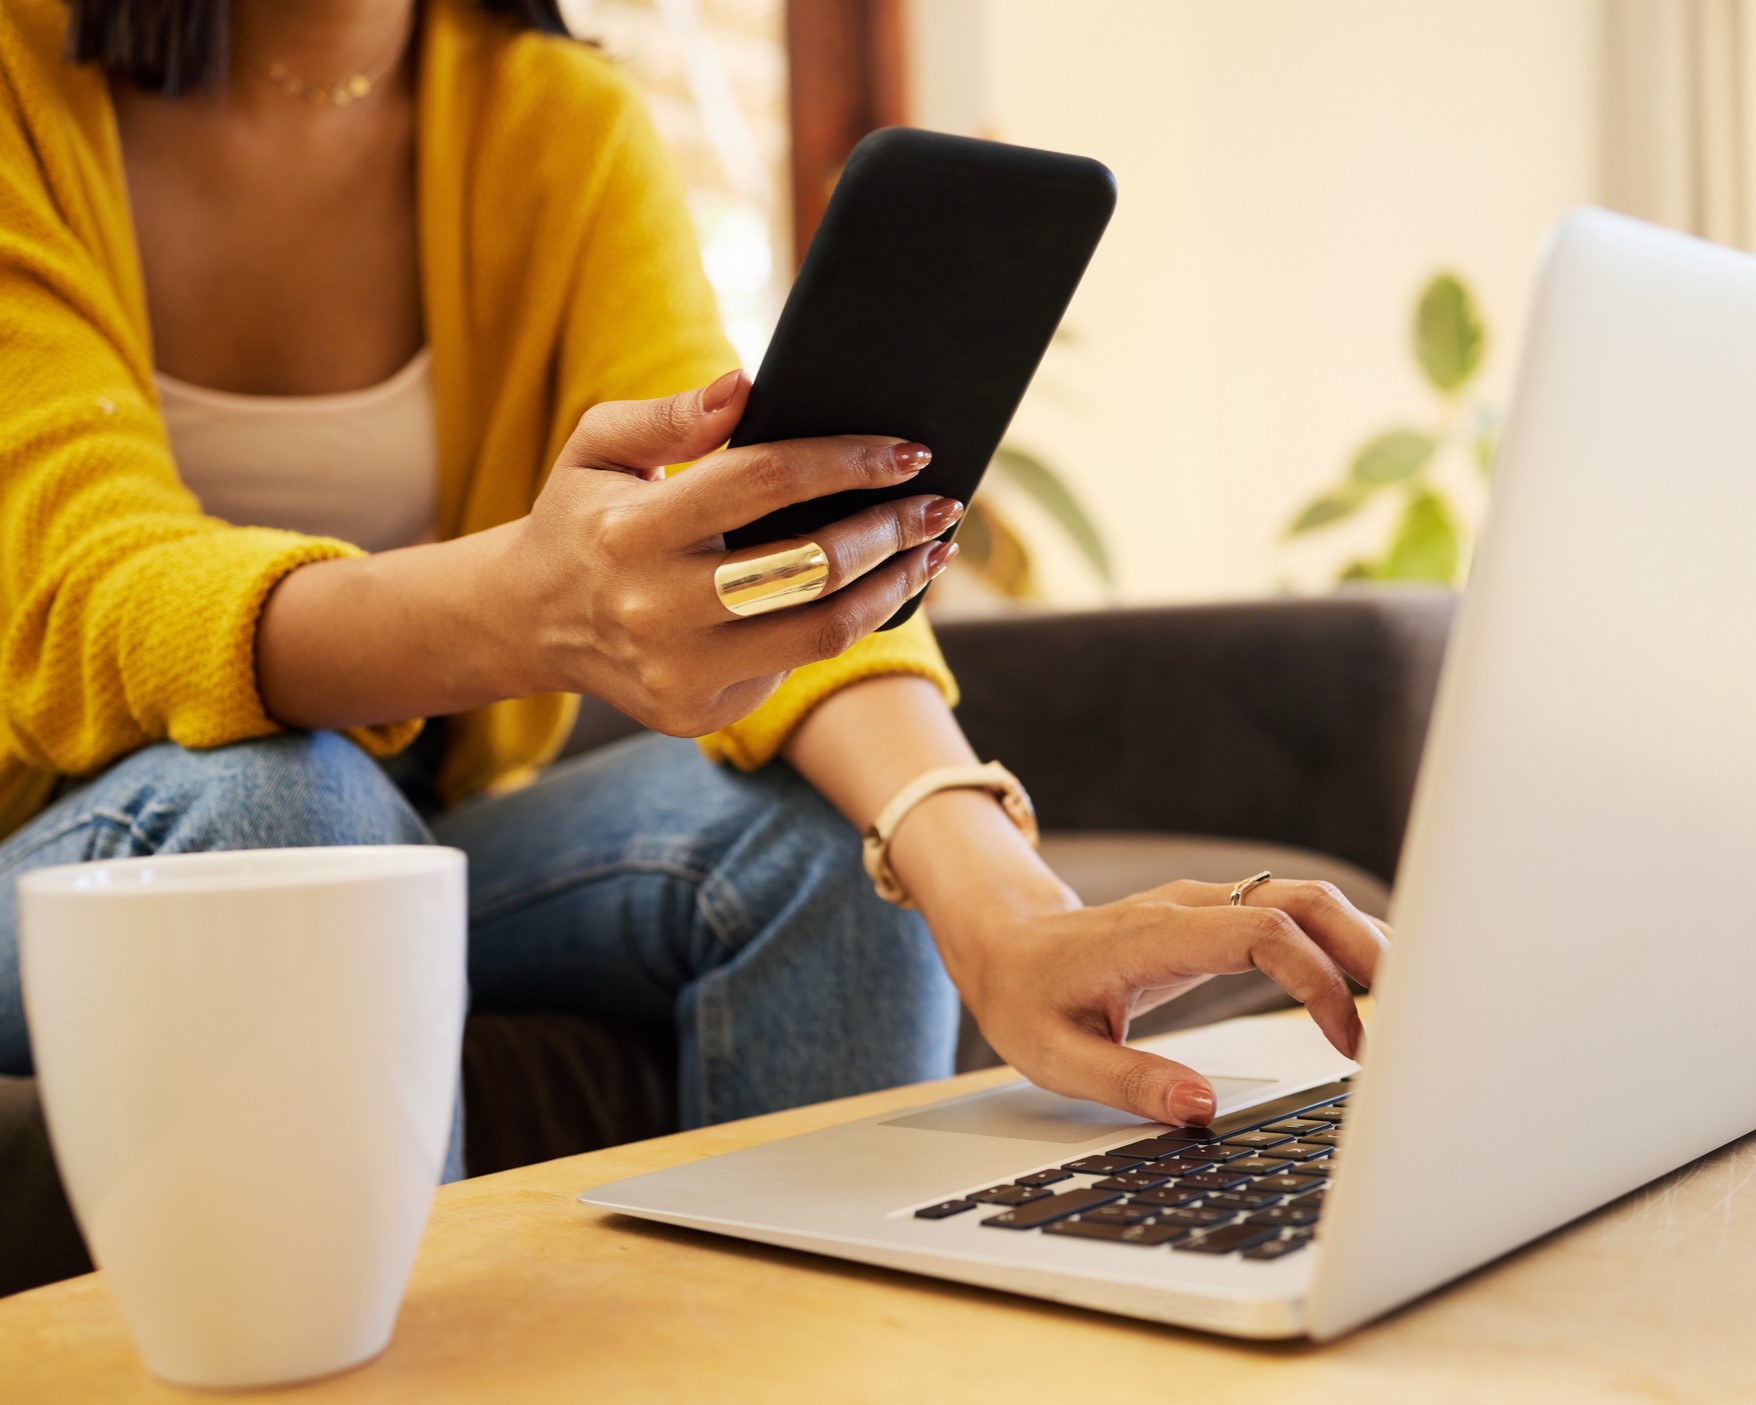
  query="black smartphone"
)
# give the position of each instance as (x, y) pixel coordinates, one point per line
(930, 292)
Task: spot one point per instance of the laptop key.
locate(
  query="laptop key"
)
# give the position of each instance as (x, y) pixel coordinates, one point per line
(1051, 1207)
(1179, 1166)
(1285, 1216)
(1133, 1180)
(1166, 1199)
(1197, 1217)
(1258, 1140)
(1007, 1195)
(1147, 1236)
(1192, 1135)
(1288, 1185)
(945, 1208)
(1263, 1113)
(1296, 1126)
(1152, 1148)
(1240, 1199)
(1217, 1151)
(1153, 1234)
(1311, 1200)
(1102, 1165)
(1227, 1179)
(1121, 1214)
(1259, 1166)
(1276, 1249)
(1044, 1177)
(1228, 1239)
(1330, 1138)
(1301, 1151)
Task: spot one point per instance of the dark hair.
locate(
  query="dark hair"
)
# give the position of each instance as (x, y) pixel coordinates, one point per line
(169, 47)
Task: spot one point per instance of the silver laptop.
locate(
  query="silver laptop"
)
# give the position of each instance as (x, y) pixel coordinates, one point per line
(1568, 1011)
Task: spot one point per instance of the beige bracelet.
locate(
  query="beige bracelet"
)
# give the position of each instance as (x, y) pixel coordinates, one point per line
(993, 777)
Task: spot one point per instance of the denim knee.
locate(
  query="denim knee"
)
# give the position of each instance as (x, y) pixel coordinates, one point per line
(828, 989)
(900, 952)
(293, 790)
(800, 863)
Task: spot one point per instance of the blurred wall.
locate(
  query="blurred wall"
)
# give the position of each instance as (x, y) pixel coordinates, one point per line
(1290, 174)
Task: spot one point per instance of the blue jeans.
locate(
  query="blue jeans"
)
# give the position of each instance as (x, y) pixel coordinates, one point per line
(641, 881)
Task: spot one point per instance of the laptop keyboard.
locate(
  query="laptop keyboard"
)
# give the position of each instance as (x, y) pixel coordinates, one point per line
(1251, 1184)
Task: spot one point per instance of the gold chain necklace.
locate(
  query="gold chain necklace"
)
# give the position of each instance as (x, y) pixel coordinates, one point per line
(345, 90)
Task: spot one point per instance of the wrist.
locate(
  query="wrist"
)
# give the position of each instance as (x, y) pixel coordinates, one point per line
(511, 609)
(492, 614)
(974, 876)
(419, 631)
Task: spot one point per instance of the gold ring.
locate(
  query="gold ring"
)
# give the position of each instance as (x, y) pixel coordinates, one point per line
(1255, 880)
(778, 576)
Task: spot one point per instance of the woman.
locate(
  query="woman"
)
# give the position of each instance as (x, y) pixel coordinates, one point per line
(408, 293)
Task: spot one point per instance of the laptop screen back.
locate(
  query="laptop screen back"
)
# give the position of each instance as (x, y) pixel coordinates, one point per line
(1574, 954)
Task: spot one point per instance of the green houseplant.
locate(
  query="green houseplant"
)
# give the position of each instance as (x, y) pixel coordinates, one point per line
(1429, 539)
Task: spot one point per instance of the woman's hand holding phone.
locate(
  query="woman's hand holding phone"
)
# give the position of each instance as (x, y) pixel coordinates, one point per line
(615, 587)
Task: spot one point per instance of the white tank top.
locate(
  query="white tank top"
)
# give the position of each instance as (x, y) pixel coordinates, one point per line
(362, 465)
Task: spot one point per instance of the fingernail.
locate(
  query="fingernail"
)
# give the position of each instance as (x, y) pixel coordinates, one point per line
(1191, 1104)
(941, 513)
(718, 395)
(941, 556)
(910, 459)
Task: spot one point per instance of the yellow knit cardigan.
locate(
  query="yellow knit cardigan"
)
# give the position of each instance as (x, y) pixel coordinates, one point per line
(558, 269)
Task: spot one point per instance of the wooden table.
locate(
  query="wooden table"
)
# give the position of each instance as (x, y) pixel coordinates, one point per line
(522, 1294)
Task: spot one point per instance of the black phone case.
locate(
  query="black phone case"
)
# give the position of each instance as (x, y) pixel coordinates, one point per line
(931, 290)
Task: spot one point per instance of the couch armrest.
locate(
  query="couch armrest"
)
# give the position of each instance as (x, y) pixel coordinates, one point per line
(1297, 721)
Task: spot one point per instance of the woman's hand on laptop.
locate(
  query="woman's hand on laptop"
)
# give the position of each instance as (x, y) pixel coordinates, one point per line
(1054, 993)
(1053, 984)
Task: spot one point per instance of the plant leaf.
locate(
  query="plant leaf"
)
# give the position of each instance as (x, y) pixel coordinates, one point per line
(1485, 438)
(1325, 508)
(975, 543)
(1358, 571)
(1485, 444)
(1391, 457)
(1427, 546)
(1040, 482)
(989, 547)
(1448, 333)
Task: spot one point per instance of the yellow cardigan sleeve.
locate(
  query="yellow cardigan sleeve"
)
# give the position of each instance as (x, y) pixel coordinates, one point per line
(126, 616)
(909, 648)
(667, 338)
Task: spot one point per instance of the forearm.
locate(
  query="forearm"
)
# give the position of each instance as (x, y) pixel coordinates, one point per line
(961, 859)
(420, 632)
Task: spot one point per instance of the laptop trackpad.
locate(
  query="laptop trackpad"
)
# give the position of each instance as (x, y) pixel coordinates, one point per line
(1032, 1115)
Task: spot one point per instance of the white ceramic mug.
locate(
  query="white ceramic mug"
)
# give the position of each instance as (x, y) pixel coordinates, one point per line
(249, 1062)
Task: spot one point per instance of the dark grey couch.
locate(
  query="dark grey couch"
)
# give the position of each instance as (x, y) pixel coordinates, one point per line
(1201, 742)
